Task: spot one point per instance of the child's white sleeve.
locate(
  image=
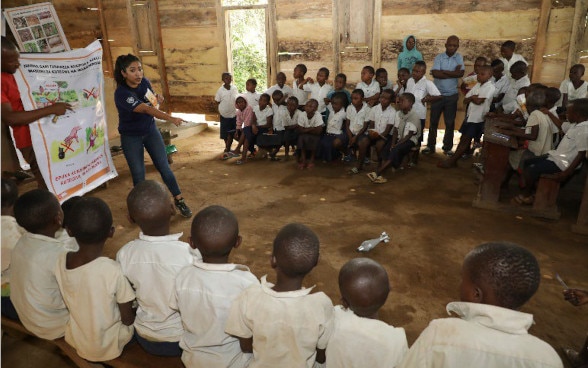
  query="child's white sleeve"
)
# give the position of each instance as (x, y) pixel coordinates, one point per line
(432, 89)
(238, 324)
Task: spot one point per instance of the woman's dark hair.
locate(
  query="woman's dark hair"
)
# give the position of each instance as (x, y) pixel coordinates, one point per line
(122, 63)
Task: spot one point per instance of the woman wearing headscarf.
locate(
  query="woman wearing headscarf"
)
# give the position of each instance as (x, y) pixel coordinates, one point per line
(409, 54)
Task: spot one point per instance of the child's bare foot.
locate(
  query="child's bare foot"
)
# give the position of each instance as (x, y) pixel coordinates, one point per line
(310, 165)
(446, 164)
(301, 165)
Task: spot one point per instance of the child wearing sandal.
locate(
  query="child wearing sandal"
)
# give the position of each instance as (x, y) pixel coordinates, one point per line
(310, 128)
(244, 117)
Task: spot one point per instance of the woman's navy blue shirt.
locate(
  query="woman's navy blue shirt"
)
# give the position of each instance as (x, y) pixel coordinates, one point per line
(126, 100)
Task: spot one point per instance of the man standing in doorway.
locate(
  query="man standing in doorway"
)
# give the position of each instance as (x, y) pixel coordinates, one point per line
(447, 68)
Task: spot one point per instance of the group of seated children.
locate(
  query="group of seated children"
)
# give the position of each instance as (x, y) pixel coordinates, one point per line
(191, 301)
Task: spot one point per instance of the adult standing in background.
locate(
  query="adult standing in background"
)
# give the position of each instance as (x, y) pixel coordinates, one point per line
(509, 57)
(135, 102)
(447, 68)
(409, 54)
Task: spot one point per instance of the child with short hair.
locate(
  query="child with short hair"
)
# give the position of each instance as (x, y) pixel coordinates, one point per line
(573, 87)
(310, 127)
(280, 86)
(33, 287)
(497, 280)
(405, 136)
(339, 86)
(278, 128)
(469, 81)
(478, 101)
(359, 338)
(11, 233)
(284, 324)
(244, 117)
(356, 122)
(509, 57)
(261, 124)
(298, 84)
(501, 83)
(62, 234)
(335, 139)
(251, 94)
(225, 97)
(519, 79)
(151, 264)
(97, 294)
(208, 288)
(369, 85)
(382, 78)
(289, 118)
(399, 87)
(381, 122)
(319, 90)
(424, 91)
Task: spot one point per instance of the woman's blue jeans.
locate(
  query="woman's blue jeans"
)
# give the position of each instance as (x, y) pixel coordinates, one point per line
(133, 145)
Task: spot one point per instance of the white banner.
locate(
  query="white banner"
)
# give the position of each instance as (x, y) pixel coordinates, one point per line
(72, 150)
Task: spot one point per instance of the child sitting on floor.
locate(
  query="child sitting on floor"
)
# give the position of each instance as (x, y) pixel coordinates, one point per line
(405, 136)
(284, 325)
(33, 288)
(289, 118)
(359, 338)
(356, 122)
(310, 128)
(244, 117)
(205, 291)
(11, 233)
(97, 294)
(334, 140)
(151, 264)
(497, 280)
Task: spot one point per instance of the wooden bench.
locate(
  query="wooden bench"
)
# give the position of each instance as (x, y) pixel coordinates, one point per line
(133, 355)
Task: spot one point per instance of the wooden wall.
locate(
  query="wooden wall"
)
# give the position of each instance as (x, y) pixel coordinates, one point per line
(191, 53)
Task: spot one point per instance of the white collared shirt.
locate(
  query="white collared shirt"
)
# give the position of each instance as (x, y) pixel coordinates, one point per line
(335, 121)
(226, 99)
(151, 264)
(359, 342)
(252, 98)
(485, 336)
(286, 119)
(501, 86)
(262, 115)
(305, 122)
(509, 102)
(11, 233)
(278, 121)
(567, 87)
(420, 89)
(369, 90)
(319, 93)
(477, 113)
(92, 293)
(299, 93)
(287, 327)
(508, 63)
(286, 90)
(406, 123)
(382, 118)
(357, 118)
(210, 290)
(33, 286)
(574, 142)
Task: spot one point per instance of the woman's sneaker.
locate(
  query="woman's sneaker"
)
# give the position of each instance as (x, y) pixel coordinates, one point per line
(183, 208)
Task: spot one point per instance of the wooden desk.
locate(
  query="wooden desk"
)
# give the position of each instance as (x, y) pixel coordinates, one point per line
(497, 147)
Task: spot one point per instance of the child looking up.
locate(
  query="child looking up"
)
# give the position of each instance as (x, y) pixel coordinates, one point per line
(11, 233)
(479, 100)
(97, 294)
(250, 94)
(369, 85)
(339, 86)
(33, 287)
(381, 122)
(359, 338)
(289, 119)
(284, 325)
(151, 264)
(226, 96)
(497, 280)
(574, 87)
(409, 55)
(298, 84)
(334, 139)
(319, 90)
(509, 57)
(310, 128)
(205, 291)
(356, 122)
(280, 86)
(405, 136)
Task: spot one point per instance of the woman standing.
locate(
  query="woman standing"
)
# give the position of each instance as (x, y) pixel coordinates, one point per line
(136, 104)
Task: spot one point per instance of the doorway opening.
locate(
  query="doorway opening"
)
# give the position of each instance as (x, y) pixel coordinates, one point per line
(246, 29)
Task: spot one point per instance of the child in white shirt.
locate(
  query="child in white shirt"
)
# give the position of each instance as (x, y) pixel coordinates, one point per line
(335, 139)
(280, 86)
(479, 99)
(501, 83)
(509, 57)
(33, 287)
(284, 325)
(369, 85)
(250, 94)
(225, 97)
(356, 122)
(261, 123)
(359, 338)
(519, 79)
(151, 264)
(574, 87)
(423, 90)
(289, 118)
(205, 291)
(310, 127)
(97, 294)
(319, 89)
(298, 84)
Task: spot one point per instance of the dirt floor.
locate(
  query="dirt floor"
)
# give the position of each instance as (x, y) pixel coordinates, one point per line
(426, 211)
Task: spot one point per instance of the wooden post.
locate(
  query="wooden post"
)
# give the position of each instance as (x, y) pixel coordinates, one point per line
(578, 29)
(107, 56)
(541, 39)
(376, 38)
(336, 37)
(271, 41)
(161, 58)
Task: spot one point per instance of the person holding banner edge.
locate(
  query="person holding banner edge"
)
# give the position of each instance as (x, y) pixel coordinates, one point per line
(135, 102)
(14, 114)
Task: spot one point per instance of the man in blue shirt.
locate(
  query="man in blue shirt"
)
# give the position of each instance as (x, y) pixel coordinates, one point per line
(447, 68)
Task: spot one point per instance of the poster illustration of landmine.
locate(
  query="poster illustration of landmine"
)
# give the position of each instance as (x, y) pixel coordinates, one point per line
(36, 28)
(72, 150)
